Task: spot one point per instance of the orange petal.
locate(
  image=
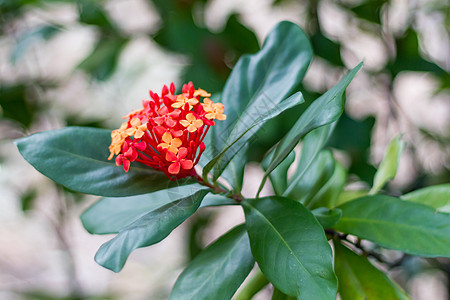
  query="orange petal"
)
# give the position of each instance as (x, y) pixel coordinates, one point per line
(185, 123)
(176, 142)
(173, 149)
(221, 117)
(198, 123)
(167, 137)
(192, 128)
(210, 116)
(190, 117)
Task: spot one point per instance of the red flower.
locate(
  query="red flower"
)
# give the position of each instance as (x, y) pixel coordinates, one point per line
(167, 133)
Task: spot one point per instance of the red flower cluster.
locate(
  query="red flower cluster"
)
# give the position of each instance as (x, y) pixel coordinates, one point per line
(167, 133)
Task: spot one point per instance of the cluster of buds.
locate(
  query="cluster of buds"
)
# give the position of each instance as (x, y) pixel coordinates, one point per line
(167, 132)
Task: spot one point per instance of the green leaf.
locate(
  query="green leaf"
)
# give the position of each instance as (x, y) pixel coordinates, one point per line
(217, 200)
(76, 157)
(147, 230)
(219, 270)
(278, 177)
(260, 82)
(437, 196)
(349, 195)
(278, 295)
(313, 142)
(389, 165)
(290, 247)
(110, 214)
(247, 131)
(396, 224)
(359, 279)
(327, 217)
(317, 174)
(323, 111)
(329, 192)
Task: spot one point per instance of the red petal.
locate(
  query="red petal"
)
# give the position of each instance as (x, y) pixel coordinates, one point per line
(172, 88)
(174, 168)
(182, 152)
(170, 122)
(126, 165)
(170, 156)
(164, 91)
(131, 154)
(177, 133)
(140, 146)
(119, 160)
(160, 130)
(187, 164)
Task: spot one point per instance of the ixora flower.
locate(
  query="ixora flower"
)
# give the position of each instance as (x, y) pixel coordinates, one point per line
(167, 132)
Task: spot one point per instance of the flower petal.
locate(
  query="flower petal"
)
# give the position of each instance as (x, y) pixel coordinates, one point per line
(174, 168)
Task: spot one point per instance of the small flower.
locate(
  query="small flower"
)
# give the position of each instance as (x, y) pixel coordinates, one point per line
(191, 122)
(213, 110)
(137, 129)
(201, 93)
(182, 100)
(179, 161)
(170, 143)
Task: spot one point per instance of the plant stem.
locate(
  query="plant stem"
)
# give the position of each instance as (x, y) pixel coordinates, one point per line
(256, 283)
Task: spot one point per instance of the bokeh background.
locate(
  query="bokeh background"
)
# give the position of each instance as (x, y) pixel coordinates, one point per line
(88, 63)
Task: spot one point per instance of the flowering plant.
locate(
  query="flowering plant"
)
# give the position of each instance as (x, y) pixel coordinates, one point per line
(154, 185)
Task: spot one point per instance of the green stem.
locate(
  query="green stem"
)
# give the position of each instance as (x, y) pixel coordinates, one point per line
(256, 283)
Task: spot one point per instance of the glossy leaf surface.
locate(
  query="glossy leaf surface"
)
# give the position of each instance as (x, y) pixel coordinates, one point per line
(290, 247)
(219, 270)
(327, 217)
(396, 224)
(325, 110)
(437, 196)
(110, 214)
(259, 82)
(359, 279)
(147, 230)
(76, 157)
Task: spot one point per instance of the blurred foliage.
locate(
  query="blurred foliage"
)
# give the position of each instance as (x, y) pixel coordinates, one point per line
(211, 55)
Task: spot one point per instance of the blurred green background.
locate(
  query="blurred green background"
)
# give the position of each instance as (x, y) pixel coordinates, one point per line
(87, 63)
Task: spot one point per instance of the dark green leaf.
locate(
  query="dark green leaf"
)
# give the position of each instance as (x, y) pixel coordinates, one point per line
(147, 230)
(359, 279)
(313, 142)
(260, 82)
(247, 127)
(349, 195)
(317, 174)
(290, 247)
(396, 224)
(278, 177)
(76, 157)
(330, 191)
(217, 200)
(218, 271)
(327, 217)
(389, 165)
(110, 214)
(279, 295)
(437, 196)
(322, 111)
